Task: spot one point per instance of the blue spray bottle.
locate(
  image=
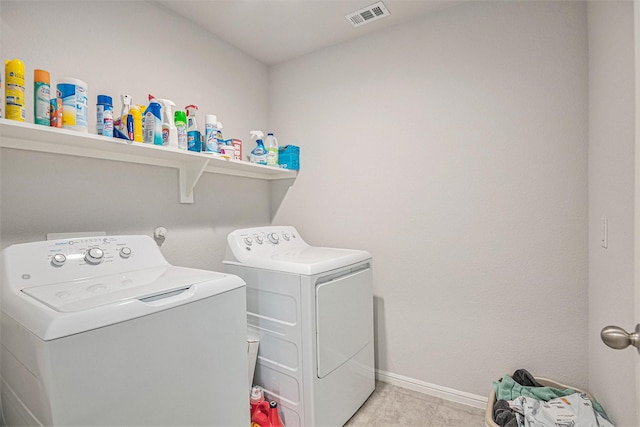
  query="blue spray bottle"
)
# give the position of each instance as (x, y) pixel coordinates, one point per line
(259, 153)
(194, 139)
(153, 123)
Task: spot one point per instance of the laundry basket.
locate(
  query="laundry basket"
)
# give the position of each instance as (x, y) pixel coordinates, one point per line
(488, 415)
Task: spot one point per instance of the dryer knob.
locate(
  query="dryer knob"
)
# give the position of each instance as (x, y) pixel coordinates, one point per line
(273, 238)
(259, 239)
(58, 260)
(125, 252)
(94, 256)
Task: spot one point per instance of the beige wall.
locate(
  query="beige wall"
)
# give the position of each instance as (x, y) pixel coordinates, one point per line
(454, 149)
(110, 45)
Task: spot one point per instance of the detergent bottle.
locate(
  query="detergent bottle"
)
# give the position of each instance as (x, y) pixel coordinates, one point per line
(257, 397)
(271, 144)
(169, 129)
(153, 123)
(259, 153)
(260, 416)
(274, 417)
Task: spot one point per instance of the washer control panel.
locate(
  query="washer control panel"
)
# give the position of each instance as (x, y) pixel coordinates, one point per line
(90, 251)
(55, 261)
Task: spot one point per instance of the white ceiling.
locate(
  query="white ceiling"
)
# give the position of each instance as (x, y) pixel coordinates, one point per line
(274, 31)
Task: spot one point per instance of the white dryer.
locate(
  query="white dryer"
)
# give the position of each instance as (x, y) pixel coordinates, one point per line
(104, 331)
(312, 308)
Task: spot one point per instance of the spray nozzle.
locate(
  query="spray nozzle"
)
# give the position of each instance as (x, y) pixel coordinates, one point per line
(257, 134)
(167, 106)
(191, 110)
(126, 99)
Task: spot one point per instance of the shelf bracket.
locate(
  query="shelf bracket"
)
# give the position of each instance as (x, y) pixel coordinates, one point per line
(189, 174)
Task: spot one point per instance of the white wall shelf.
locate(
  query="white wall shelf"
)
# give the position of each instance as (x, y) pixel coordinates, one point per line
(190, 165)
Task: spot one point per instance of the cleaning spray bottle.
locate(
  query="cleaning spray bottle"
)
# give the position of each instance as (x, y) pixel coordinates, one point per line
(259, 153)
(219, 138)
(211, 134)
(121, 122)
(180, 119)
(194, 140)
(169, 129)
(153, 123)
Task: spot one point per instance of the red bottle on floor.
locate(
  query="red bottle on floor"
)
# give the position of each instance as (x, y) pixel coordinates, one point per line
(274, 418)
(260, 416)
(257, 397)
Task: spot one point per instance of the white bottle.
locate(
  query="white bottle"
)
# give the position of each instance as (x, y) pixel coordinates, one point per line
(121, 122)
(271, 144)
(169, 129)
(211, 134)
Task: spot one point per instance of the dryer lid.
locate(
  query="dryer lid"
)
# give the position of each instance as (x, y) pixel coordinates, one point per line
(308, 261)
(282, 249)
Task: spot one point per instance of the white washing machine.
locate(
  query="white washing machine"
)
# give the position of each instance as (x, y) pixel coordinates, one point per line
(104, 331)
(312, 308)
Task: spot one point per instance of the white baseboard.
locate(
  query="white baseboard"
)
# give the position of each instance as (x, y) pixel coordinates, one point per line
(446, 393)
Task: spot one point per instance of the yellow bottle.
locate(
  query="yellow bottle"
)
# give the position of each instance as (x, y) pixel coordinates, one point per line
(137, 123)
(14, 90)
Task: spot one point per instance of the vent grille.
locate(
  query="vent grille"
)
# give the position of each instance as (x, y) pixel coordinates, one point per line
(368, 14)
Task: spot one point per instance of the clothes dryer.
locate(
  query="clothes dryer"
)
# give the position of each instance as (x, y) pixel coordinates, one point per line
(312, 308)
(104, 331)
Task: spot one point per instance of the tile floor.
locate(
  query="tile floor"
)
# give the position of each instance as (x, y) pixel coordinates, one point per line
(390, 405)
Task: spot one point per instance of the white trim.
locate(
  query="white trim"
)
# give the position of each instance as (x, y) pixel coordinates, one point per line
(446, 393)
(636, 37)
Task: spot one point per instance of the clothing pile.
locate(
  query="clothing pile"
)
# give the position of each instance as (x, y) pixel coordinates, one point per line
(521, 401)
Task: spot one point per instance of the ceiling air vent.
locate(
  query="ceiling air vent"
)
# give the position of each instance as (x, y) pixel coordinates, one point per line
(368, 14)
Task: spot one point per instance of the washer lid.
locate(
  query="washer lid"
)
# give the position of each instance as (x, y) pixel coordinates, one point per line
(63, 309)
(86, 294)
(308, 261)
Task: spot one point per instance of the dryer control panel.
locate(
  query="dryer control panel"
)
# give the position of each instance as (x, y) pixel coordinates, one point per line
(264, 241)
(54, 261)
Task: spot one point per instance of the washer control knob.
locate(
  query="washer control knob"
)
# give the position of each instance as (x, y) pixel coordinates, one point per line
(58, 260)
(286, 236)
(248, 241)
(259, 239)
(125, 252)
(94, 256)
(273, 238)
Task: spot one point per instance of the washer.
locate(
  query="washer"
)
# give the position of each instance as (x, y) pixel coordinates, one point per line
(312, 308)
(104, 331)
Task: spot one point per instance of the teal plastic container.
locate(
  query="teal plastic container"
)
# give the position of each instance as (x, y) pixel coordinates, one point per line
(289, 157)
